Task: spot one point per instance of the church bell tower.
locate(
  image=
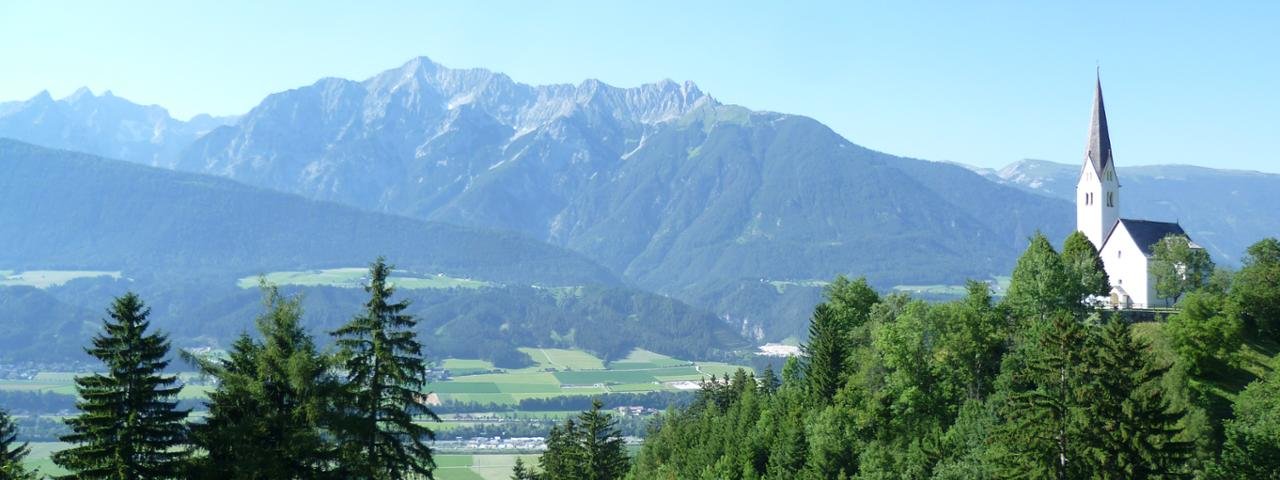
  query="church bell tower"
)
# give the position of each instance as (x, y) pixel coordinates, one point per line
(1098, 190)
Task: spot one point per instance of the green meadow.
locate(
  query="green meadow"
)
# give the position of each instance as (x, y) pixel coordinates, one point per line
(48, 278)
(353, 277)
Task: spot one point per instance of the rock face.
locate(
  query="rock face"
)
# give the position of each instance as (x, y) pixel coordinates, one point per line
(680, 193)
(104, 125)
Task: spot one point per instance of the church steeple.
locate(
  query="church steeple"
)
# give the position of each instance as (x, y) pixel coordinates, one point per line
(1098, 191)
(1098, 150)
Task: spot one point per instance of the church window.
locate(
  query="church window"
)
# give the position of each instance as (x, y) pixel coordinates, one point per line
(1117, 254)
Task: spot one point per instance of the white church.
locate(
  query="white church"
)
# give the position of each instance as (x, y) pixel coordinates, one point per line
(1125, 245)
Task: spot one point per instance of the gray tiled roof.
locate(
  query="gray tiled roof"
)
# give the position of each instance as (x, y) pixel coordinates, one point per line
(1147, 233)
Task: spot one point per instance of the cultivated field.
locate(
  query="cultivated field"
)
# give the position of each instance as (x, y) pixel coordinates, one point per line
(561, 372)
(354, 277)
(478, 467)
(48, 278)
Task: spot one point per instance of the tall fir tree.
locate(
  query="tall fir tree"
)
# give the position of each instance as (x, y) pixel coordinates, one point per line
(1042, 428)
(12, 453)
(1131, 429)
(826, 355)
(522, 472)
(386, 375)
(271, 414)
(129, 427)
(589, 447)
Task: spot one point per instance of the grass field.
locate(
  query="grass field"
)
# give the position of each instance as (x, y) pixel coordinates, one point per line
(561, 359)
(48, 278)
(39, 458)
(449, 466)
(478, 466)
(573, 372)
(640, 359)
(354, 278)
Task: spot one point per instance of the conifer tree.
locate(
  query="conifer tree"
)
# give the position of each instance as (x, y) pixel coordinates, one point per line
(826, 354)
(1131, 427)
(386, 373)
(129, 427)
(588, 448)
(12, 453)
(521, 472)
(1042, 430)
(270, 416)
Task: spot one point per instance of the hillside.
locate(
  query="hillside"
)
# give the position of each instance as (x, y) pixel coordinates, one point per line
(68, 211)
(1224, 210)
(661, 182)
(183, 240)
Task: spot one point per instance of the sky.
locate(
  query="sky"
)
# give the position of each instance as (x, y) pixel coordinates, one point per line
(982, 83)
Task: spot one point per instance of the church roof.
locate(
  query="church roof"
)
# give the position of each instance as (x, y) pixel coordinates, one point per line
(1098, 149)
(1147, 233)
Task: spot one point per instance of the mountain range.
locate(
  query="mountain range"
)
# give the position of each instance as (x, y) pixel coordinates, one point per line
(1223, 210)
(183, 240)
(744, 213)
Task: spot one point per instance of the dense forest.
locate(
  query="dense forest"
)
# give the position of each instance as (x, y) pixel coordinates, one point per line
(1045, 382)
(1041, 384)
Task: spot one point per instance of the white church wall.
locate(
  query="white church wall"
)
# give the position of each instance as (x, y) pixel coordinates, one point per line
(1126, 266)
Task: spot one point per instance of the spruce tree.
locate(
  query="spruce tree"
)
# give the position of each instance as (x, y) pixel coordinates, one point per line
(1042, 409)
(603, 451)
(12, 453)
(129, 427)
(270, 416)
(825, 355)
(386, 374)
(1130, 427)
(521, 472)
(587, 448)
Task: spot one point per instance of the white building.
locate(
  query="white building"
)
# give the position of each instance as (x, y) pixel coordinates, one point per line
(1125, 245)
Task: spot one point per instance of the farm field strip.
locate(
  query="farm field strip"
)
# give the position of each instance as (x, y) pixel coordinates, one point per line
(353, 277)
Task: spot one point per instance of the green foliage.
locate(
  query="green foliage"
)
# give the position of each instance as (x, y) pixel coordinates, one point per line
(521, 472)
(589, 447)
(1179, 267)
(1132, 430)
(1084, 267)
(1204, 330)
(1040, 284)
(1255, 290)
(386, 373)
(1252, 445)
(12, 452)
(272, 413)
(1042, 432)
(826, 354)
(129, 426)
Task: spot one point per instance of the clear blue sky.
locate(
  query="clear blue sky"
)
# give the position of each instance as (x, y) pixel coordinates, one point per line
(973, 82)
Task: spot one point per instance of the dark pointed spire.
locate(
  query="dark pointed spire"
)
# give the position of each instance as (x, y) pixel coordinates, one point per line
(1098, 149)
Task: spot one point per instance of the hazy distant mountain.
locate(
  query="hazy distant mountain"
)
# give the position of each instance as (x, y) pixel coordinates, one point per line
(1225, 210)
(661, 182)
(72, 211)
(182, 240)
(104, 125)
